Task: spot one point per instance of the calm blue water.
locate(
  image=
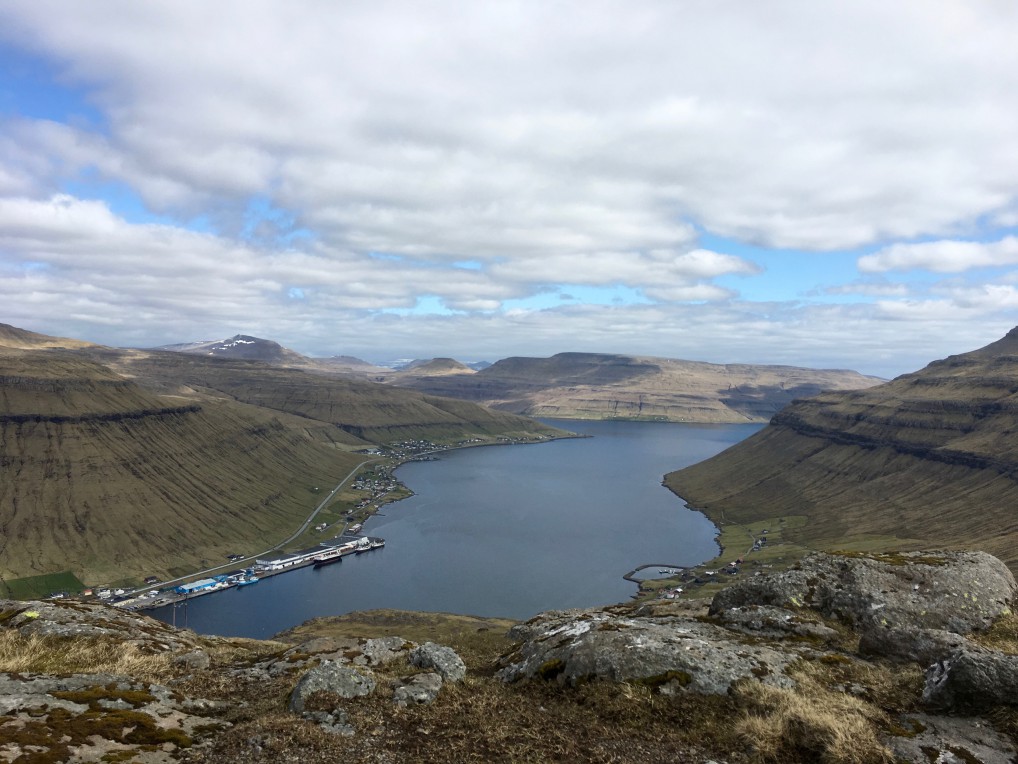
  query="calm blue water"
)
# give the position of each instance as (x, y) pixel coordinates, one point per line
(503, 531)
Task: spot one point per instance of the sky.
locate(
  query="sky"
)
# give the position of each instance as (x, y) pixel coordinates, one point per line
(805, 182)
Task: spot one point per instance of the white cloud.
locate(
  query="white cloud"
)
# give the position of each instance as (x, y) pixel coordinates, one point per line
(822, 126)
(946, 256)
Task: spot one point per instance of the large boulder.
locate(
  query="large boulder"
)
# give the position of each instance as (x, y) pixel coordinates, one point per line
(669, 653)
(332, 678)
(442, 659)
(957, 592)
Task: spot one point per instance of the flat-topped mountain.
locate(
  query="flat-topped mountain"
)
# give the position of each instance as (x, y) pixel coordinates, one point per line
(124, 463)
(604, 386)
(930, 457)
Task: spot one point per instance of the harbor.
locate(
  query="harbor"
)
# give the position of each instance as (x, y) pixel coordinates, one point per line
(327, 553)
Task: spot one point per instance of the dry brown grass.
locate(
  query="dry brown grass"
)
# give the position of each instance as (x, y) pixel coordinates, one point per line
(810, 723)
(47, 655)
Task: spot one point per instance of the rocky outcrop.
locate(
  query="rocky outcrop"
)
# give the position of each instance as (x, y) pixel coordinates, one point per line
(910, 607)
(671, 654)
(67, 619)
(958, 592)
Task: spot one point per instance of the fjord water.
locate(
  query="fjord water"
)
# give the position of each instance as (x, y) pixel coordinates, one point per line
(503, 531)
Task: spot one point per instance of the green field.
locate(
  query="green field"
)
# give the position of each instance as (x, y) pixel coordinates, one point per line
(39, 587)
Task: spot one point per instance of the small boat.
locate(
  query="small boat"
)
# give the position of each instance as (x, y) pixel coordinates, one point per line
(377, 543)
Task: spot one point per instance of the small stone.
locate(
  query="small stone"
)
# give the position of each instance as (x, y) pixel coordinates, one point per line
(420, 689)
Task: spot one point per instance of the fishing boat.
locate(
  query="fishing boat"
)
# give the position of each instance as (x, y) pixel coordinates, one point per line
(247, 580)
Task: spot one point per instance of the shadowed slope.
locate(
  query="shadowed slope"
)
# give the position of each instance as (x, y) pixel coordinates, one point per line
(930, 458)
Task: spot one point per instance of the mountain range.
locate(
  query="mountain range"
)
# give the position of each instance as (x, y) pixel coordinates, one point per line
(579, 385)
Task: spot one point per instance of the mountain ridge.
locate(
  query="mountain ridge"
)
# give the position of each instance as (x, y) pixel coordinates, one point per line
(574, 385)
(927, 457)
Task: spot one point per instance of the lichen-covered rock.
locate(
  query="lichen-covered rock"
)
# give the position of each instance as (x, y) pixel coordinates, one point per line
(671, 654)
(972, 679)
(419, 689)
(441, 658)
(378, 652)
(922, 646)
(332, 678)
(774, 622)
(958, 592)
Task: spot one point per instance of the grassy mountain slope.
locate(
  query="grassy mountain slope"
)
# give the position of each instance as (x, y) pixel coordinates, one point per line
(368, 411)
(128, 463)
(105, 478)
(600, 386)
(928, 459)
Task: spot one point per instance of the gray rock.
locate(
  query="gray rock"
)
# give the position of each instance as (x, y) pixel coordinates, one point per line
(922, 646)
(443, 659)
(774, 622)
(951, 591)
(420, 689)
(378, 652)
(337, 722)
(972, 679)
(946, 739)
(332, 678)
(196, 660)
(671, 654)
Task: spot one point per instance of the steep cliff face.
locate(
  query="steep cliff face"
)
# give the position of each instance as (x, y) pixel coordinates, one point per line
(930, 457)
(604, 386)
